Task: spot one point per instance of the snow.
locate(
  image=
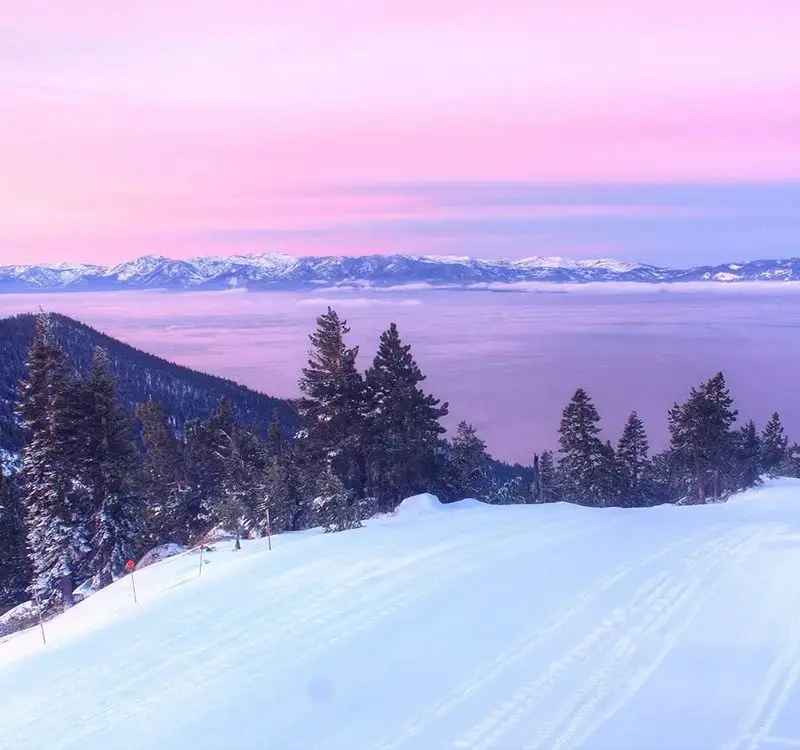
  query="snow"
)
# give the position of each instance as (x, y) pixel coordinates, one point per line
(461, 626)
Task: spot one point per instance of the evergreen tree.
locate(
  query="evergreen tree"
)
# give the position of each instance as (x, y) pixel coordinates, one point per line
(547, 479)
(633, 462)
(331, 409)
(790, 466)
(334, 504)
(511, 492)
(748, 455)
(54, 504)
(164, 483)
(108, 465)
(403, 434)
(774, 444)
(584, 458)
(702, 449)
(468, 466)
(15, 572)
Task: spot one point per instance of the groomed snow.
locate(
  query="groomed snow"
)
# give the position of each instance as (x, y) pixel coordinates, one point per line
(463, 627)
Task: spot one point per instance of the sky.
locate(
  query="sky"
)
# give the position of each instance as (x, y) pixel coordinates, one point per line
(662, 131)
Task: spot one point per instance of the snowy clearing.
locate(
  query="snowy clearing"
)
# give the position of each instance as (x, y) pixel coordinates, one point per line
(464, 627)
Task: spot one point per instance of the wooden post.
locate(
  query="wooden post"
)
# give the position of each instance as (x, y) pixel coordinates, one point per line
(130, 565)
(269, 532)
(41, 620)
(201, 559)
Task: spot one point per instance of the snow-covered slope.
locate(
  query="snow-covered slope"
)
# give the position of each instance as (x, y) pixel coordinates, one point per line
(279, 271)
(462, 627)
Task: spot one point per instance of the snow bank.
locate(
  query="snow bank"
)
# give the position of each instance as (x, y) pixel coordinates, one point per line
(532, 626)
(162, 552)
(419, 505)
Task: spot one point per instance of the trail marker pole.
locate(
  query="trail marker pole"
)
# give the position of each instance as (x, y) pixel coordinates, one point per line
(201, 559)
(130, 565)
(269, 532)
(41, 619)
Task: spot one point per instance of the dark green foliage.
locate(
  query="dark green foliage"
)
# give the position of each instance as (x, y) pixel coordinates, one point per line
(108, 465)
(702, 449)
(57, 514)
(774, 444)
(335, 506)
(332, 407)
(164, 485)
(468, 465)
(548, 479)
(748, 455)
(584, 460)
(15, 573)
(402, 434)
(633, 464)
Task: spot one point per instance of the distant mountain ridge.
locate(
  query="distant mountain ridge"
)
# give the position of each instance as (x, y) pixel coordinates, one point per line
(185, 393)
(276, 271)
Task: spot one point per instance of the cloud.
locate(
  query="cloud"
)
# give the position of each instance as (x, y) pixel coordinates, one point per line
(357, 302)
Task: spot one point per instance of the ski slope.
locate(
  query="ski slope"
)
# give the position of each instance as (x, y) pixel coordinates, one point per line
(461, 627)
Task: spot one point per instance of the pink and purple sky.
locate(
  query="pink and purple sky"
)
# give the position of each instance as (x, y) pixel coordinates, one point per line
(656, 130)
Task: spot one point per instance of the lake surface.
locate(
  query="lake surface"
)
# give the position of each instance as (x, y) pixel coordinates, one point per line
(507, 362)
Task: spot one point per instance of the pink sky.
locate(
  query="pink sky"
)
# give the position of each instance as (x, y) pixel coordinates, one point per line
(131, 127)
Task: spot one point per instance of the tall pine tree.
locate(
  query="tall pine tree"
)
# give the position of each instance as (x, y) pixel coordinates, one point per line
(633, 463)
(403, 434)
(331, 408)
(468, 465)
(584, 458)
(55, 508)
(774, 444)
(109, 468)
(748, 455)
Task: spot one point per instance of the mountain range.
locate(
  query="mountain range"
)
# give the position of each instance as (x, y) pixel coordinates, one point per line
(277, 271)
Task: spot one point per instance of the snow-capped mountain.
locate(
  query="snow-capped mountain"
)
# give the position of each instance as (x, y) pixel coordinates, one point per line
(278, 271)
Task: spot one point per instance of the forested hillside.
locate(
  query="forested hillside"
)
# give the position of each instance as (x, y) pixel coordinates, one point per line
(185, 394)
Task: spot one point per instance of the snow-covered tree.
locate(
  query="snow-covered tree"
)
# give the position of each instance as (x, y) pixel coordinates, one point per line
(748, 455)
(583, 455)
(702, 447)
(108, 465)
(468, 465)
(55, 508)
(403, 433)
(331, 408)
(774, 444)
(334, 504)
(14, 565)
(163, 482)
(633, 462)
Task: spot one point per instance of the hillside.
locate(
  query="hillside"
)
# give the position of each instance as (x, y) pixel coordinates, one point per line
(275, 271)
(185, 393)
(465, 626)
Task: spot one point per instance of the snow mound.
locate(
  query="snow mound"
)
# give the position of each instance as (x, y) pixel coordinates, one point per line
(162, 552)
(467, 503)
(18, 618)
(419, 505)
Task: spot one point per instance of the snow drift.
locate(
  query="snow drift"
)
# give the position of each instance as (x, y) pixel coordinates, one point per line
(459, 626)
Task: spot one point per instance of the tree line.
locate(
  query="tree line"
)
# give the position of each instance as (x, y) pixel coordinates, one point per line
(99, 486)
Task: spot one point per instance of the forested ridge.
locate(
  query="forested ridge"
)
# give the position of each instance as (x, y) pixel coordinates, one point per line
(122, 452)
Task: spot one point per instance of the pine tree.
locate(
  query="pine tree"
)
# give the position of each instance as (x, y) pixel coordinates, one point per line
(334, 504)
(163, 481)
(331, 409)
(403, 434)
(633, 462)
(15, 572)
(584, 457)
(774, 444)
(109, 468)
(468, 466)
(547, 479)
(702, 449)
(748, 456)
(511, 492)
(54, 504)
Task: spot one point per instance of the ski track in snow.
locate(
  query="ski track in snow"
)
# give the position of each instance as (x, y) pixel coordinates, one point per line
(222, 658)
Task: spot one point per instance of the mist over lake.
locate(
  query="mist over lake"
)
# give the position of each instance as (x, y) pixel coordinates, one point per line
(507, 362)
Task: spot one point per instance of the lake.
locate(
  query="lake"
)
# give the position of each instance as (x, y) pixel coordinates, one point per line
(506, 361)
